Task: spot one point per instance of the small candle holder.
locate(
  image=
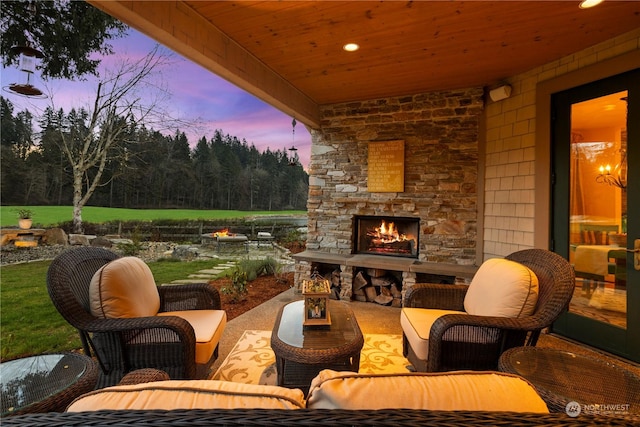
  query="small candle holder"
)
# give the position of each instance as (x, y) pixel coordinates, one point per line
(316, 293)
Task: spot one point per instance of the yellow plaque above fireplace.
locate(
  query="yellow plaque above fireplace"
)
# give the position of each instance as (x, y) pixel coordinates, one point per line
(386, 167)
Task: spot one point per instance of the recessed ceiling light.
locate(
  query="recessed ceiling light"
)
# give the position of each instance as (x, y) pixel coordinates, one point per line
(586, 4)
(351, 47)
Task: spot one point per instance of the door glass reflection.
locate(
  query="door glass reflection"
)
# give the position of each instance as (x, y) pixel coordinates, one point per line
(598, 206)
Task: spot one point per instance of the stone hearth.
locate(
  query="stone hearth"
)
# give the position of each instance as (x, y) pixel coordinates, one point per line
(410, 271)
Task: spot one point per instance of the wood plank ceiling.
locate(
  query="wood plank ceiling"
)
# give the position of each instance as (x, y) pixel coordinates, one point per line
(411, 47)
(405, 47)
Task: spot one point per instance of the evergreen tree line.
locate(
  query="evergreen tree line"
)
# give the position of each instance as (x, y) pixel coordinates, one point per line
(146, 169)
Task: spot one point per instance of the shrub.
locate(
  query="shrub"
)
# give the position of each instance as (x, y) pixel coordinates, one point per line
(293, 236)
(237, 290)
(258, 267)
(133, 248)
(294, 241)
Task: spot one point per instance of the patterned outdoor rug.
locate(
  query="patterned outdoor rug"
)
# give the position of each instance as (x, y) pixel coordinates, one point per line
(252, 361)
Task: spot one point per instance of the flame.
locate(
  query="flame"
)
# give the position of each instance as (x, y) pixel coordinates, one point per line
(221, 233)
(387, 233)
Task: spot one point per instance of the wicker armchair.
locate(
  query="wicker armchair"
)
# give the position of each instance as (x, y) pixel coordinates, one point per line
(125, 344)
(463, 341)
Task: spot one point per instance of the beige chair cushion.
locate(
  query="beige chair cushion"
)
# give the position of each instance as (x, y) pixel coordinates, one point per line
(124, 288)
(502, 288)
(416, 325)
(452, 391)
(189, 394)
(208, 326)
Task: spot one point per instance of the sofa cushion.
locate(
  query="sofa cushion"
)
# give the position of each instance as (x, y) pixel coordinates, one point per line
(452, 391)
(124, 288)
(208, 326)
(416, 325)
(189, 394)
(502, 288)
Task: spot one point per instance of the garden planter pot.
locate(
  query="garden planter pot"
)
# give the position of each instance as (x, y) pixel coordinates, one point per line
(25, 223)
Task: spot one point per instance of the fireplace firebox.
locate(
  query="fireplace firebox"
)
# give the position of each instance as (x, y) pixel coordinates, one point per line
(386, 235)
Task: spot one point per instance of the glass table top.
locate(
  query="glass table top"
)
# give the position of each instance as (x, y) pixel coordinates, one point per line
(574, 377)
(33, 379)
(343, 329)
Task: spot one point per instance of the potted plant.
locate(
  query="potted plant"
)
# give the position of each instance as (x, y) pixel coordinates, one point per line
(25, 218)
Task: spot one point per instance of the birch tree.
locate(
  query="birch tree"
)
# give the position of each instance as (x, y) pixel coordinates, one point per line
(90, 138)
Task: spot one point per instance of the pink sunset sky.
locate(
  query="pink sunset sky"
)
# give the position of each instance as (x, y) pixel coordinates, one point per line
(197, 96)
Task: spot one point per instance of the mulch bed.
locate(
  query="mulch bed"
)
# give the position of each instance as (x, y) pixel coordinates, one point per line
(261, 289)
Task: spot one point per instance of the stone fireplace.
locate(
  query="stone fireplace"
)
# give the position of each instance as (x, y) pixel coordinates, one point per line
(386, 236)
(440, 132)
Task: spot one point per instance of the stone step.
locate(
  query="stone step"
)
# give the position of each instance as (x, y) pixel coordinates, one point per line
(212, 271)
(207, 274)
(187, 281)
(203, 276)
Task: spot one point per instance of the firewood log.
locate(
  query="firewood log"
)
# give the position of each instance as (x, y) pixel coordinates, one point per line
(396, 291)
(382, 281)
(383, 299)
(376, 272)
(371, 293)
(359, 281)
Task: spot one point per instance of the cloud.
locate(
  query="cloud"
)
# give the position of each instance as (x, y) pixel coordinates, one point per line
(204, 100)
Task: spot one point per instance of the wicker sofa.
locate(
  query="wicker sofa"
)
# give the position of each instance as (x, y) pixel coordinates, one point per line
(310, 417)
(335, 398)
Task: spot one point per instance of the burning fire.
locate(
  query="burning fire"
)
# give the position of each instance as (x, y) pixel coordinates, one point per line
(221, 233)
(387, 233)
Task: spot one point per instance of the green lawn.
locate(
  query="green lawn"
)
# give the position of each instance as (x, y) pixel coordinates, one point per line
(44, 216)
(30, 324)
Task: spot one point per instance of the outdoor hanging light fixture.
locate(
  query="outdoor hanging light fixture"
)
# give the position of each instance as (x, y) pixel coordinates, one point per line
(293, 159)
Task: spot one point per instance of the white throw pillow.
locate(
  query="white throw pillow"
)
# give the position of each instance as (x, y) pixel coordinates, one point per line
(502, 288)
(124, 288)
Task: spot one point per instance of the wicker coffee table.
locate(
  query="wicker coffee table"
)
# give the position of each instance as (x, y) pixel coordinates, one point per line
(303, 351)
(561, 377)
(45, 383)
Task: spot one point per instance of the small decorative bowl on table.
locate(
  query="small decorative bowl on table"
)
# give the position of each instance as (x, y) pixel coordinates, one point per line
(316, 293)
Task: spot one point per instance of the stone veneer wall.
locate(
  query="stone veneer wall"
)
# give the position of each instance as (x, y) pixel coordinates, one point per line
(441, 133)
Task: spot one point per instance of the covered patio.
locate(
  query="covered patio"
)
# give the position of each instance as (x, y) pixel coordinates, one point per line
(464, 88)
(462, 91)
